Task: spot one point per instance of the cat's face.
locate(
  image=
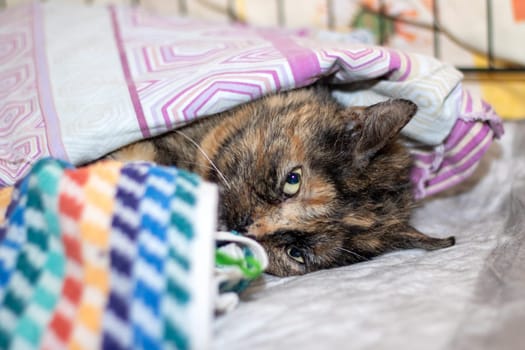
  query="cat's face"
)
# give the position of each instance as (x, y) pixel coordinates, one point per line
(317, 185)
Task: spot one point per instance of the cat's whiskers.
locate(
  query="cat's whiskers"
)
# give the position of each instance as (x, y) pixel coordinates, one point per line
(352, 253)
(199, 148)
(192, 164)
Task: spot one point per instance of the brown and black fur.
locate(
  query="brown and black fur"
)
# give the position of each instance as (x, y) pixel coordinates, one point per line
(355, 197)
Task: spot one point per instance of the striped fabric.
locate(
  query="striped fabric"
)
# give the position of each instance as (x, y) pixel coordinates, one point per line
(452, 162)
(149, 74)
(106, 256)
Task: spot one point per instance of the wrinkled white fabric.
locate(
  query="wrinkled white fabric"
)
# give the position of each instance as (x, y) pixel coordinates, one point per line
(469, 296)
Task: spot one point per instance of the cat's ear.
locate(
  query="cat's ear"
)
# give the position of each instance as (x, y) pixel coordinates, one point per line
(408, 237)
(375, 126)
(402, 236)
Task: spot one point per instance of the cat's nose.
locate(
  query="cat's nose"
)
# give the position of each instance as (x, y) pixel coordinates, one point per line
(242, 223)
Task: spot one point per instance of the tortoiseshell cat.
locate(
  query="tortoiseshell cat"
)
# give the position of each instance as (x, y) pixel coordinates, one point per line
(317, 184)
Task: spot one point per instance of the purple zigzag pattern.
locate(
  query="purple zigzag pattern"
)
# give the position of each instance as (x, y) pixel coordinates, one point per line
(181, 99)
(11, 45)
(168, 58)
(356, 64)
(208, 68)
(252, 91)
(13, 79)
(256, 55)
(14, 114)
(191, 80)
(161, 59)
(144, 85)
(28, 127)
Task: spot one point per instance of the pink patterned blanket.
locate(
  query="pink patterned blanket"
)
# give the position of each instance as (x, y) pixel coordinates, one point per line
(77, 82)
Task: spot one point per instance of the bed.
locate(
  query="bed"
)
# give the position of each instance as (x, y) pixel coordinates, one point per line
(126, 255)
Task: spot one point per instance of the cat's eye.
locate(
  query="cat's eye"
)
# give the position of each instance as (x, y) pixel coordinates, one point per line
(295, 254)
(293, 182)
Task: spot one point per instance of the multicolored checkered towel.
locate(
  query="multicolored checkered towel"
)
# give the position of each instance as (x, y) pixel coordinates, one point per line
(115, 256)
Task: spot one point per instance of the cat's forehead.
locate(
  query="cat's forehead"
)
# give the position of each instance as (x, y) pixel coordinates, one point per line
(289, 122)
(266, 140)
(299, 106)
(293, 97)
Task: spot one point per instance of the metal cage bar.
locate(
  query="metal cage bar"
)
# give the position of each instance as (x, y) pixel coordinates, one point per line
(435, 29)
(490, 55)
(183, 7)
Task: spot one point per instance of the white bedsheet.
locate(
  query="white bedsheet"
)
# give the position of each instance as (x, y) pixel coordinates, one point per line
(470, 296)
